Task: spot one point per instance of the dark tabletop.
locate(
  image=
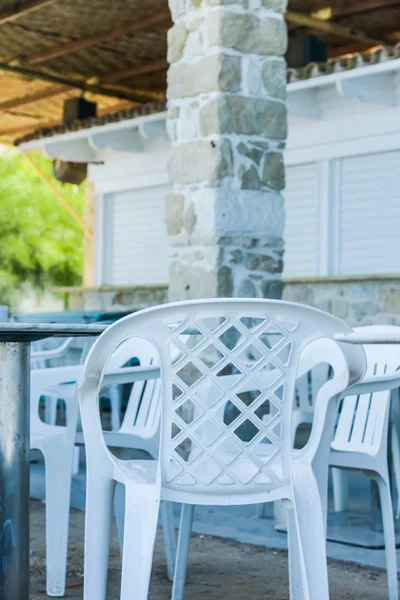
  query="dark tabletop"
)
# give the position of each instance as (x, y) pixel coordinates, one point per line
(29, 332)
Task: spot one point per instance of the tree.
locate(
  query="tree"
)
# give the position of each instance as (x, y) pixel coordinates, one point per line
(40, 243)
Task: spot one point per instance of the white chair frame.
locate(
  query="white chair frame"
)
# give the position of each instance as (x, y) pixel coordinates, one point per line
(208, 475)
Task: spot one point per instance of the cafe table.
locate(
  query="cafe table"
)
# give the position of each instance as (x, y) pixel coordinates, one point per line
(15, 339)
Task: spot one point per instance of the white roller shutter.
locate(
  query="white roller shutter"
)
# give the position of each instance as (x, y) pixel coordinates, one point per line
(369, 214)
(137, 248)
(301, 222)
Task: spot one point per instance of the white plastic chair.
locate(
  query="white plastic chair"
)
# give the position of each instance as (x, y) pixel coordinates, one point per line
(384, 359)
(57, 446)
(361, 438)
(216, 448)
(307, 388)
(41, 358)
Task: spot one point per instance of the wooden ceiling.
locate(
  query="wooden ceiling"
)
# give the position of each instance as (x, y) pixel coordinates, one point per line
(114, 51)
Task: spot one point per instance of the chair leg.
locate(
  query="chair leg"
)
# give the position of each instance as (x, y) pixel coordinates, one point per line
(99, 496)
(141, 516)
(389, 535)
(50, 410)
(167, 518)
(119, 510)
(340, 482)
(395, 448)
(260, 511)
(185, 530)
(58, 490)
(310, 535)
(295, 568)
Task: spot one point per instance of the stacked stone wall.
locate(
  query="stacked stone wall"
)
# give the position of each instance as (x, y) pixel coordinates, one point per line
(374, 301)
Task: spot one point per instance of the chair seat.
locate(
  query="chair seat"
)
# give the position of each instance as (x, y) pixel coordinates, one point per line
(356, 459)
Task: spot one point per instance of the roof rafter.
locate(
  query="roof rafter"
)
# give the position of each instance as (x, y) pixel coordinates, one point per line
(331, 28)
(151, 67)
(36, 97)
(29, 6)
(98, 38)
(360, 6)
(135, 95)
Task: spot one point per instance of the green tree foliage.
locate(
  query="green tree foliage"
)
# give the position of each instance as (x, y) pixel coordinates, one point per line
(40, 243)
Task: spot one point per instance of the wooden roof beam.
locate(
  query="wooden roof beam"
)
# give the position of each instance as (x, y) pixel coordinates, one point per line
(98, 38)
(133, 94)
(355, 7)
(150, 67)
(36, 97)
(331, 28)
(27, 7)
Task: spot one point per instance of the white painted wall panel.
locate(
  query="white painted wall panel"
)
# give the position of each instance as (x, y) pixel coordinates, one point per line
(369, 214)
(137, 240)
(301, 223)
(346, 127)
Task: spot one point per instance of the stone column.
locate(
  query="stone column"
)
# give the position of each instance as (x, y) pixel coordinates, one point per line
(227, 123)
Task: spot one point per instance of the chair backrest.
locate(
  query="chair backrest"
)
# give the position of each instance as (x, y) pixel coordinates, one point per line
(201, 345)
(142, 415)
(47, 350)
(41, 381)
(363, 420)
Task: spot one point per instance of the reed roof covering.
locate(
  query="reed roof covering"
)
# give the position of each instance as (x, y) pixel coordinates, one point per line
(115, 52)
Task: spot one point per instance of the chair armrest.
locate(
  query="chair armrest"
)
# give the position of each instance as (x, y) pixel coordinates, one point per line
(131, 374)
(368, 385)
(53, 353)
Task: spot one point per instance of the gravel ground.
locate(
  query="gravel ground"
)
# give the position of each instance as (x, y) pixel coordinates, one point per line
(218, 569)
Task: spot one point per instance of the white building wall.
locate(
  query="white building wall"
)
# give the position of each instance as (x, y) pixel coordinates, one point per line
(342, 198)
(343, 181)
(131, 241)
(353, 212)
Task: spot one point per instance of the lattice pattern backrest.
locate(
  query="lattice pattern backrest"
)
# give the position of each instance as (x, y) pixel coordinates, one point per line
(363, 419)
(228, 371)
(228, 395)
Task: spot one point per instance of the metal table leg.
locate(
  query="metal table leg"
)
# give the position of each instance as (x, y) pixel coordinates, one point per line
(14, 470)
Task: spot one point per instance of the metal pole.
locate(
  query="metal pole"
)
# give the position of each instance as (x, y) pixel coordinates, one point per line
(14, 470)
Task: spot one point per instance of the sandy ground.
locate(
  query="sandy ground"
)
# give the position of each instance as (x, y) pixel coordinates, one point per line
(218, 569)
